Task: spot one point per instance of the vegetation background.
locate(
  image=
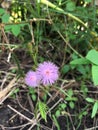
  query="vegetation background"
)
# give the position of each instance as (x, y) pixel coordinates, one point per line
(64, 32)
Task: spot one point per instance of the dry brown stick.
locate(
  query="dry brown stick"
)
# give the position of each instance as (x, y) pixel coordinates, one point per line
(5, 91)
(16, 127)
(8, 95)
(28, 119)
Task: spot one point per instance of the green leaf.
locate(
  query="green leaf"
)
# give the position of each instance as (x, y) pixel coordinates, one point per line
(95, 109)
(16, 29)
(71, 104)
(81, 69)
(65, 69)
(33, 96)
(70, 6)
(2, 11)
(63, 105)
(79, 61)
(7, 27)
(24, 24)
(88, 1)
(31, 90)
(95, 74)
(93, 56)
(82, 113)
(68, 99)
(5, 18)
(56, 122)
(44, 97)
(43, 110)
(74, 99)
(91, 100)
(57, 113)
(70, 92)
(14, 92)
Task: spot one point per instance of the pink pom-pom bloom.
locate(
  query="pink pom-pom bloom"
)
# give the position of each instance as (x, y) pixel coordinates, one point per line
(48, 73)
(31, 79)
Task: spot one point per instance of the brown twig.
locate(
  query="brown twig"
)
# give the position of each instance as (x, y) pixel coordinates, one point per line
(6, 90)
(20, 114)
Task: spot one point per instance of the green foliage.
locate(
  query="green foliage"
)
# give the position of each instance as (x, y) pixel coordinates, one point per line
(91, 100)
(71, 99)
(56, 122)
(13, 94)
(63, 105)
(65, 69)
(88, 1)
(16, 30)
(4, 16)
(95, 74)
(80, 61)
(70, 6)
(57, 113)
(16, 60)
(43, 110)
(61, 31)
(2, 11)
(84, 89)
(83, 113)
(94, 107)
(60, 109)
(32, 92)
(92, 56)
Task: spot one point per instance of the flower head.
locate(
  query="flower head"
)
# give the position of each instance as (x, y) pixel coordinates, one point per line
(31, 79)
(48, 73)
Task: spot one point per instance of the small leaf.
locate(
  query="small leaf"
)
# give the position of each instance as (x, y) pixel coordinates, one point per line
(31, 90)
(93, 56)
(68, 98)
(70, 92)
(82, 113)
(65, 69)
(70, 6)
(14, 92)
(81, 69)
(79, 61)
(71, 104)
(33, 96)
(16, 29)
(95, 74)
(74, 98)
(5, 18)
(57, 114)
(43, 110)
(95, 109)
(63, 106)
(2, 11)
(7, 27)
(90, 100)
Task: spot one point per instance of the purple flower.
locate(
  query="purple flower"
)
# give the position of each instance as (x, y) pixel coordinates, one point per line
(48, 73)
(32, 79)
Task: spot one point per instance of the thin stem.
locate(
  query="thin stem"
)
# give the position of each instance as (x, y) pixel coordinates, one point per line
(69, 45)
